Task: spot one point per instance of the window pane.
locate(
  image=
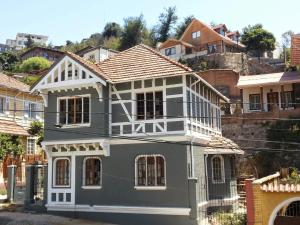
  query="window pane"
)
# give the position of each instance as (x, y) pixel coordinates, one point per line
(149, 106)
(62, 111)
(150, 171)
(217, 169)
(254, 102)
(160, 171)
(159, 105)
(92, 172)
(71, 111)
(141, 171)
(78, 107)
(140, 106)
(86, 110)
(62, 172)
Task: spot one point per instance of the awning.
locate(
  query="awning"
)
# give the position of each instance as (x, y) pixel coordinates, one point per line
(11, 127)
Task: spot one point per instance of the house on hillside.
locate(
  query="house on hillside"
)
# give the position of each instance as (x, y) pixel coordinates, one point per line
(136, 140)
(200, 39)
(96, 54)
(47, 53)
(270, 91)
(18, 108)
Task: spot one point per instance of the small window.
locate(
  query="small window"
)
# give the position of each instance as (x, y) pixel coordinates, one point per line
(254, 100)
(92, 172)
(61, 172)
(150, 105)
(31, 110)
(74, 110)
(196, 34)
(150, 171)
(170, 51)
(217, 164)
(286, 99)
(212, 48)
(31, 144)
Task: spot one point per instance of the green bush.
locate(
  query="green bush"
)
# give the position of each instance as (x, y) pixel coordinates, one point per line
(34, 64)
(223, 218)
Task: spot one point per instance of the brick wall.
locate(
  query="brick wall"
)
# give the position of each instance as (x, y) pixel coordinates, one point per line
(295, 50)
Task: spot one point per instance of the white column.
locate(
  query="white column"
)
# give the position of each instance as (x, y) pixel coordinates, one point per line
(49, 178)
(73, 177)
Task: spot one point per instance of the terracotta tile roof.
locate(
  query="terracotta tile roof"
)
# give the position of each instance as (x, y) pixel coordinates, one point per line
(11, 127)
(140, 62)
(12, 83)
(220, 144)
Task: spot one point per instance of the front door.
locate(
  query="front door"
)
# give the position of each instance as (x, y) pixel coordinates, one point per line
(272, 99)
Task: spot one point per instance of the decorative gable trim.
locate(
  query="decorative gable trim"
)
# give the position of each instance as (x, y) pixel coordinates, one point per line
(68, 74)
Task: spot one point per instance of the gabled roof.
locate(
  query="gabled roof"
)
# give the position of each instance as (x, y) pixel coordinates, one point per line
(140, 62)
(269, 79)
(221, 145)
(225, 39)
(220, 26)
(171, 42)
(41, 48)
(12, 83)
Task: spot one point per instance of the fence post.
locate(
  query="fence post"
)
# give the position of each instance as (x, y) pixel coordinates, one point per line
(29, 185)
(250, 202)
(11, 182)
(193, 198)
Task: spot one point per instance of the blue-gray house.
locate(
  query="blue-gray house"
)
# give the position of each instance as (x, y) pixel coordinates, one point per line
(135, 139)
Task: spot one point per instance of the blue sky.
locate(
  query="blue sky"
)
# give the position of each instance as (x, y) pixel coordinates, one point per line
(73, 20)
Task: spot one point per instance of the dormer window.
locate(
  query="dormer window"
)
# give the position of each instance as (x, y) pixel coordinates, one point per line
(222, 31)
(196, 34)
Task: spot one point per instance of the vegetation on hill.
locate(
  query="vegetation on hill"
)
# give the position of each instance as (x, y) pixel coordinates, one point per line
(33, 64)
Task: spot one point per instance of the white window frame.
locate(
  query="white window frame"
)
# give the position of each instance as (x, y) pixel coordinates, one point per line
(84, 186)
(137, 187)
(250, 103)
(77, 124)
(54, 173)
(222, 181)
(171, 52)
(196, 34)
(34, 147)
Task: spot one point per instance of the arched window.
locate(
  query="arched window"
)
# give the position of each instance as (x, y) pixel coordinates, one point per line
(61, 172)
(92, 172)
(150, 171)
(217, 164)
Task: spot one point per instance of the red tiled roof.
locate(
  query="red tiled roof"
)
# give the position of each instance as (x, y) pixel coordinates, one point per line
(11, 127)
(140, 62)
(12, 83)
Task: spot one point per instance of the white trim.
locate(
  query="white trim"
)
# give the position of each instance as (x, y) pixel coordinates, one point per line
(91, 187)
(222, 170)
(219, 202)
(146, 187)
(66, 125)
(54, 173)
(84, 186)
(279, 206)
(121, 209)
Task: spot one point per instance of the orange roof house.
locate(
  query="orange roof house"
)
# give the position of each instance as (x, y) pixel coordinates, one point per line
(295, 50)
(201, 39)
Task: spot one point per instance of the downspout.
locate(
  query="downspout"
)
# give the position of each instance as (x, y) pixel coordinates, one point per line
(206, 176)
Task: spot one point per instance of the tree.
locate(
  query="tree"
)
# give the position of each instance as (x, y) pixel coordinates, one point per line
(8, 61)
(257, 39)
(133, 33)
(112, 29)
(184, 24)
(286, 38)
(10, 144)
(37, 129)
(167, 20)
(34, 64)
(112, 43)
(29, 43)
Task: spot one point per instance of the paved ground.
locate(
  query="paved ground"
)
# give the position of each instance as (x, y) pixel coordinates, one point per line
(18, 218)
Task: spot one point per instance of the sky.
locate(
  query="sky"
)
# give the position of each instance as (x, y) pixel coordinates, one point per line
(74, 20)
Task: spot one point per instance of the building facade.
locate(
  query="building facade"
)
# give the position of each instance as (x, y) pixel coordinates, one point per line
(136, 140)
(96, 54)
(200, 39)
(18, 108)
(266, 91)
(21, 39)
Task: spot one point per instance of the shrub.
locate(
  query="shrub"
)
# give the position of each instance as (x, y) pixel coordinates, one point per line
(34, 64)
